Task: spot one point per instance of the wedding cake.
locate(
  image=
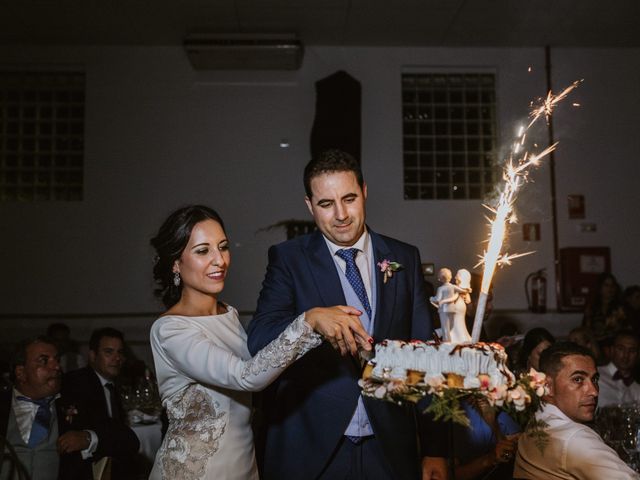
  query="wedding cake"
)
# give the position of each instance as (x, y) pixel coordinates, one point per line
(464, 365)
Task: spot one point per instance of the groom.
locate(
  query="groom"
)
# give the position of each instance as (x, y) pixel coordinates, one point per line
(318, 424)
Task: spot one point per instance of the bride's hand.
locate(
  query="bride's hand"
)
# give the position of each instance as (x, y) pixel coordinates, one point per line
(340, 326)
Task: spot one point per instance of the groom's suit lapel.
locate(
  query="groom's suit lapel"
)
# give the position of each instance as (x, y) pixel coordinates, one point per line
(323, 269)
(386, 292)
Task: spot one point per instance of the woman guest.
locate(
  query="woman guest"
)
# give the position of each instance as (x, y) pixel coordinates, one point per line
(603, 313)
(535, 342)
(204, 370)
(584, 337)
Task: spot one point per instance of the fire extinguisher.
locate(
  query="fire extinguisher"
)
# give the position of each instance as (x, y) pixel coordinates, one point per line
(535, 287)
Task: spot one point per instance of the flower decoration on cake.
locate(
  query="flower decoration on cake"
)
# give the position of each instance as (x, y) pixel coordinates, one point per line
(409, 371)
(387, 267)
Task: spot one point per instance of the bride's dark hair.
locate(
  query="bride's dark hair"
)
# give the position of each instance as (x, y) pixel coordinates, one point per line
(170, 242)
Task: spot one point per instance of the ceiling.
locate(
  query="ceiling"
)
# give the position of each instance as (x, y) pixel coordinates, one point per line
(491, 23)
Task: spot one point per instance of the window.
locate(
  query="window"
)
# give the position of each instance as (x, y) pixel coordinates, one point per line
(41, 135)
(449, 135)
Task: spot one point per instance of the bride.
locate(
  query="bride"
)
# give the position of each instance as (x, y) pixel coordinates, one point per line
(204, 370)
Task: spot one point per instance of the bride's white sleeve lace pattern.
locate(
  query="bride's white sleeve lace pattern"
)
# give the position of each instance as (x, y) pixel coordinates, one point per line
(296, 340)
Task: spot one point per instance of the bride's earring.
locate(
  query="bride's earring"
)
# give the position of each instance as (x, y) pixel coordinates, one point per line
(176, 279)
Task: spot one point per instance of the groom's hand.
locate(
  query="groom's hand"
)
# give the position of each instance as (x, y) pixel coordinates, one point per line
(341, 327)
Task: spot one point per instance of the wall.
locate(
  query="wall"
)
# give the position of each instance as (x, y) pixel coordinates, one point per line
(159, 135)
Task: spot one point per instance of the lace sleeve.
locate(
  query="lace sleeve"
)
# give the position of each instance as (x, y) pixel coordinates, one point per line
(296, 340)
(196, 356)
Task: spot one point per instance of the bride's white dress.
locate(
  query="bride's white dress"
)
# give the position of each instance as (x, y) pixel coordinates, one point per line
(205, 376)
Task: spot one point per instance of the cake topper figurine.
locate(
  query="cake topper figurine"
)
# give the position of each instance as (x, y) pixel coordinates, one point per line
(451, 301)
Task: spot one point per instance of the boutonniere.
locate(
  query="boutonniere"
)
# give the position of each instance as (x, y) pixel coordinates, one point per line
(388, 267)
(70, 412)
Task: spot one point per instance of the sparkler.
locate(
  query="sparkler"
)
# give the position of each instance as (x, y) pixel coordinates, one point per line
(514, 175)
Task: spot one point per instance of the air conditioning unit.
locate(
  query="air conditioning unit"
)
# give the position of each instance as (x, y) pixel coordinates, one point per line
(244, 51)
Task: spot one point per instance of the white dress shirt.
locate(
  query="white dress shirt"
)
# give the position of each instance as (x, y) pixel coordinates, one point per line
(25, 413)
(573, 451)
(615, 392)
(106, 392)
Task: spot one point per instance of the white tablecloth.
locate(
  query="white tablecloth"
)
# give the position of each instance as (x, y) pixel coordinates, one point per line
(150, 436)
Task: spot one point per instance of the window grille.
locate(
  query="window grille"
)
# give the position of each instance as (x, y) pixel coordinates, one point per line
(449, 135)
(41, 135)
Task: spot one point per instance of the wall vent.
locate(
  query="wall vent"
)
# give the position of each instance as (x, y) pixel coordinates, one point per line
(244, 51)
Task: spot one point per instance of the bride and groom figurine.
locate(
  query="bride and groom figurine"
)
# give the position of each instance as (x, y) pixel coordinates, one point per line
(451, 301)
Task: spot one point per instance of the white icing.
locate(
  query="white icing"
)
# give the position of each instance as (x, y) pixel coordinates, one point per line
(394, 357)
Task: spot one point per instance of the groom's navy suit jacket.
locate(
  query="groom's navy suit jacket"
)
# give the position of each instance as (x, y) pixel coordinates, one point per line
(309, 407)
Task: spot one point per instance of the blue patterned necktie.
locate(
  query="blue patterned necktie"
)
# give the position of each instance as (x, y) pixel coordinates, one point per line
(353, 275)
(41, 424)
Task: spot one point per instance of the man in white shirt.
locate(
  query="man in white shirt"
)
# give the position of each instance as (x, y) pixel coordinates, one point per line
(572, 449)
(617, 385)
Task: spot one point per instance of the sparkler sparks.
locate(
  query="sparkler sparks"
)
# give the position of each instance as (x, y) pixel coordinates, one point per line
(548, 104)
(515, 175)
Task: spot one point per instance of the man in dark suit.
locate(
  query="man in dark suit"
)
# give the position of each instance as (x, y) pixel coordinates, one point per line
(32, 416)
(92, 393)
(318, 424)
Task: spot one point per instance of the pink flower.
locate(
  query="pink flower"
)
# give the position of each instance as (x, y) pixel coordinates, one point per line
(536, 376)
(435, 383)
(497, 396)
(519, 398)
(538, 382)
(70, 412)
(380, 392)
(395, 385)
(388, 267)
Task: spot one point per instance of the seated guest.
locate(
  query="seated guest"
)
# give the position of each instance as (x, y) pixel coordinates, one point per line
(93, 394)
(583, 336)
(631, 307)
(31, 417)
(617, 385)
(486, 448)
(70, 358)
(572, 450)
(603, 313)
(535, 342)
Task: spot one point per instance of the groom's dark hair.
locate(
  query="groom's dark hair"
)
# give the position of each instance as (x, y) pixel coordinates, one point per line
(329, 161)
